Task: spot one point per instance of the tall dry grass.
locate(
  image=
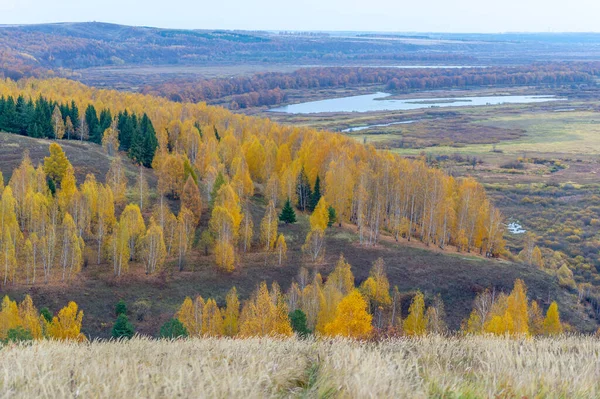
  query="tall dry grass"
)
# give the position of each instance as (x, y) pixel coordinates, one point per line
(475, 367)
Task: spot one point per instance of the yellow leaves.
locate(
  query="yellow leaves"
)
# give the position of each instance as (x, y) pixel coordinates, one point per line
(320, 217)
(57, 123)
(132, 220)
(30, 318)
(56, 164)
(255, 156)
(517, 307)
(67, 325)
(9, 317)
(190, 198)
(377, 286)
(281, 249)
(231, 314)
(265, 314)
(225, 256)
(190, 315)
(153, 248)
(352, 319)
(212, 321)
(71, 257)
(313, 246)
(110, 138)
(415, 323)
(341, 277)
(268, 227)
(116, 180)
(119, 248)
(552, 324)
(171, 173)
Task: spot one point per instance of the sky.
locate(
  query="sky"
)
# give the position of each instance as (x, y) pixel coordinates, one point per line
(484, 16)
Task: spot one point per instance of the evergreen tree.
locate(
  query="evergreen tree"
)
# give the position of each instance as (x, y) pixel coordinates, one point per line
(316, 195)
(173, 329)
(150, 143)
(298, 323)
(332, 216)
(288, 215)
(121, 308)
(46, 314)
(217, 133)
(123, 328)
(91, 118)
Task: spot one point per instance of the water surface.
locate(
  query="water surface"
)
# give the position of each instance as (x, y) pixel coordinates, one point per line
(378, 102)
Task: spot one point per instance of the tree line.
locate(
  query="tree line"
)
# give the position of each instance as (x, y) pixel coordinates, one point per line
(43, 118)
(323, 307)
(269, 88)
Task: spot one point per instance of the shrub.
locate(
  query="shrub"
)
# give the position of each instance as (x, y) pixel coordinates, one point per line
(141, 309)
(173, 329)
(18, 334)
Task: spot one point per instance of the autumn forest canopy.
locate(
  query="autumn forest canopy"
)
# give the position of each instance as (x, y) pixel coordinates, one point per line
(212, 163)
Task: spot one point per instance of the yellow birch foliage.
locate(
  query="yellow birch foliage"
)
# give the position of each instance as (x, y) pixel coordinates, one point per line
(212, 320)
(281, 249)
(190, 198)
(415, 323)
(263, 315)
(56, 164)
(67, 325)
(190, 315)
(231, 314)
(9, 317)
(268, 227)
(320, 217)
(352, 318)
(552, 324)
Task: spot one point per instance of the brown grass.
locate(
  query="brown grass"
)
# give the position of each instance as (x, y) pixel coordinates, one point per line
(474, 367)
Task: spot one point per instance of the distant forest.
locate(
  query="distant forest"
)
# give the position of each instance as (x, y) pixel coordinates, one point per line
(270, 88)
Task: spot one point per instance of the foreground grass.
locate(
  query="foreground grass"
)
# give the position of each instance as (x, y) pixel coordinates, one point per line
(473, 367)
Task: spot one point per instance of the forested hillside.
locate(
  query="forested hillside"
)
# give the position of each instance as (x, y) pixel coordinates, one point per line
(228, 186)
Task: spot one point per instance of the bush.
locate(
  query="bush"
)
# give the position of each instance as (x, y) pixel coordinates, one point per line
(141, 309)
(513, 165)
(173, 329)
(123, 328)
(18, 334)
(121, 308)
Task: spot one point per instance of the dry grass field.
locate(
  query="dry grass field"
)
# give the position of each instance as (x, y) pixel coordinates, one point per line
(438, 367)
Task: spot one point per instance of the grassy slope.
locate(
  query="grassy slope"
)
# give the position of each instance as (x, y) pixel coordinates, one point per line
(457, 277)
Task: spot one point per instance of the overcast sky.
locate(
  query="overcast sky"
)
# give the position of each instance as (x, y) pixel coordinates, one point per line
(365, 15)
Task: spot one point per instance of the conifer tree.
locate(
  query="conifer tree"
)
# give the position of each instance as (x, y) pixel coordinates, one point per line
(316, 195)
(122, 327)
(288, 215)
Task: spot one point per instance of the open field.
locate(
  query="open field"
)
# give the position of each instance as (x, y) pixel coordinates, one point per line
(438, 367)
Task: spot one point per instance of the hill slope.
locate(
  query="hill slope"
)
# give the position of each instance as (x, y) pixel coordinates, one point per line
(410, 266)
